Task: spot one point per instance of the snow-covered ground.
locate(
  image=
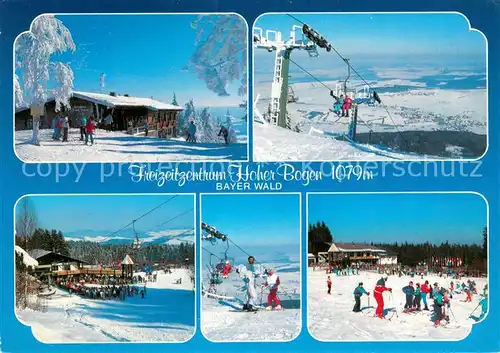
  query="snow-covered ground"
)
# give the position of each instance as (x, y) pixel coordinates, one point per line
(120, 147)
(165, 315)
(272, 143)
(421, 109)
(330, 317)
(222, 320)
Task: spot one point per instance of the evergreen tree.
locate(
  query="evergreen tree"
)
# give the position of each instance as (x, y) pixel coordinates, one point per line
(485, 243)
(174, 100)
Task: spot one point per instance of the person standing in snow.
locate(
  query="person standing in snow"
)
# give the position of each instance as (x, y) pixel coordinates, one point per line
(418, 298)
(483, 303)
(89, 131)
(409, 291)
(424, 291)
(108, 122)
(55, 134)
(225, 133)
(329, 285)
(146, 127)
(273, 281)
(358, 292)
(83, 127)
(249, 272)
(440, 300)
(65, 126)
(191, 132)
(380, 288)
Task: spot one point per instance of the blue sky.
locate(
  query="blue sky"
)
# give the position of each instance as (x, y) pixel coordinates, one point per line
(251, 220)
(401, 217)
(377, 43)
(108, 213)
(387, 33)
(140, 55)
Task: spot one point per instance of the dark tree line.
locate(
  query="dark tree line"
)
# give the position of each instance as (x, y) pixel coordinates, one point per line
(50, 240)
(317, 236)
(95, 253)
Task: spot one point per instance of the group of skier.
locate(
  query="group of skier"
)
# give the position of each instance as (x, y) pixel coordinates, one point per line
(416, 293)
(61, 125)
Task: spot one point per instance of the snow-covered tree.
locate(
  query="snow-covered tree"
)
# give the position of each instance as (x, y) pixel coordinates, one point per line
(174, 100)
(206, 130)
(232, 138)
(220, 57)
(33, 53)
(184, 118)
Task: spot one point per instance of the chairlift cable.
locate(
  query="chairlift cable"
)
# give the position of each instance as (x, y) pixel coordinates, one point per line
(346, 61)
(144, 215)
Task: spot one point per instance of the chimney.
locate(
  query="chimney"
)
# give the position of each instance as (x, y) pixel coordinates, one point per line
(112, 94)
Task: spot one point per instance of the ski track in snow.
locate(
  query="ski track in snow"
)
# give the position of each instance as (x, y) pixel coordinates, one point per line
(157, 318)
(331, 317)
(120, 147)
(272, 143)
(221, 322)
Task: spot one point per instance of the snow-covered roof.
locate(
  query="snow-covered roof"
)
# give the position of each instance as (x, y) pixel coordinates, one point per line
(27, 259)
(38, 253)
(127, 260)
(124, 101)
(354, 247)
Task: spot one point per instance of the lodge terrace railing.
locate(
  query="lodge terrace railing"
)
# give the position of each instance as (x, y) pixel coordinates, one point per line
(88, 271)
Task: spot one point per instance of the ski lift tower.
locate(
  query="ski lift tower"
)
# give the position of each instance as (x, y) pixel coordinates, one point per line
(272, 41)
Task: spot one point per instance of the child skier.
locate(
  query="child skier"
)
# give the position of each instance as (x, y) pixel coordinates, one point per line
(483, 303)
(329, 284)
(424, 289)
(226, 270)
(409, 291)
(358, 292)
(273, 281)
(380, 288)
(439, 301)
(418, 296)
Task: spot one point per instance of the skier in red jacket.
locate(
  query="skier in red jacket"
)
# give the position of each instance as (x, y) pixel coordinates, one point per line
(425, 289)
(380, 288)
(226, 270)
(346, 106)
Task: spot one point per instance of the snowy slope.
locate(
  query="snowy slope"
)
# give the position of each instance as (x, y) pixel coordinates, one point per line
(222, 320)
(165, 315)
(331, 317)
(120, 147)
(416, 109)
(272, 143)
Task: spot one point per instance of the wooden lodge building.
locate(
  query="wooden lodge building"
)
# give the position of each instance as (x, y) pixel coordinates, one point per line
(129, 113)
(351, 253)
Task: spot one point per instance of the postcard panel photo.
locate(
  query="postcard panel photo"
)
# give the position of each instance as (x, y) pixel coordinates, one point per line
(250, 276)
(369, 86)
(397, 266)
(131, 87)
(106, 268)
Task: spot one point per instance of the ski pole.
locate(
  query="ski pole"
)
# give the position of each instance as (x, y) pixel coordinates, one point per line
(472, 312)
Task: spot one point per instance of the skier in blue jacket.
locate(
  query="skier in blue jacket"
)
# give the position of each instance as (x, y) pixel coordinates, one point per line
(358, 292)
(409, 290)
